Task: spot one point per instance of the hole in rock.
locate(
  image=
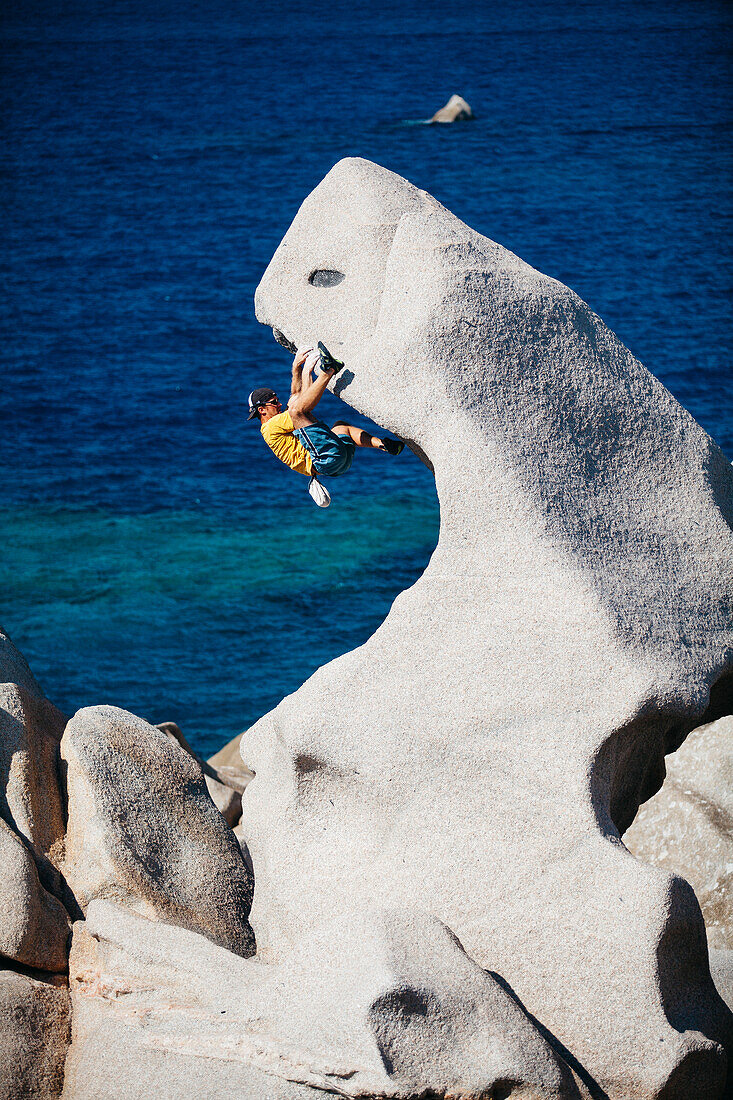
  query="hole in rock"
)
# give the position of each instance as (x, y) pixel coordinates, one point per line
(326, 277)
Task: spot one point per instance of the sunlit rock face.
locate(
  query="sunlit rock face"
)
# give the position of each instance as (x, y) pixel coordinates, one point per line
(479, 755)
(386, 1006)
(687, 828)
(34, 926)
(144, 832)
(34, 1034)
(34, 923)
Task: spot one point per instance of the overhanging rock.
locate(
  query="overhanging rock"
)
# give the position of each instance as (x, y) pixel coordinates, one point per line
(479, 756)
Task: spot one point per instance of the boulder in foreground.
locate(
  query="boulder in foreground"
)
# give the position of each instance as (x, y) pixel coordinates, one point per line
(30, 787)
(143, 830)
(34, 1034)
(415, 1016)
(34, 925)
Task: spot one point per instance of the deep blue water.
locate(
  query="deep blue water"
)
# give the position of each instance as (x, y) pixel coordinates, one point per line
(154, 554)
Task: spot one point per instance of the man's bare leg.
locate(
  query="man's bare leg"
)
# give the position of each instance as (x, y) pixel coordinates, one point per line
(302, 403)
(304, 400)
(359, 436)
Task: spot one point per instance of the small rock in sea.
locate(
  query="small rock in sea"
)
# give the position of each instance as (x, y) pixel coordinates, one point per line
(455, 110)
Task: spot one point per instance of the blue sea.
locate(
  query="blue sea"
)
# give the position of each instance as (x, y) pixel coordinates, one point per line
(154, 554)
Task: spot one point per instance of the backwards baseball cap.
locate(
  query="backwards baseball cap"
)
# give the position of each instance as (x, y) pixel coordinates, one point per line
(259, 397)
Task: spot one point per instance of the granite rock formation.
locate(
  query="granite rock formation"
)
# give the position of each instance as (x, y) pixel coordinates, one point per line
(413, 1008)
(143, 830)
(230, 756)
(455, 110)
(721, 969)
(34, 1034)
(34, 922)
(33, 895)
(34, 926)
(443, 904)
(687, 828)
(225, 784)
(31, 800)
(481, 754)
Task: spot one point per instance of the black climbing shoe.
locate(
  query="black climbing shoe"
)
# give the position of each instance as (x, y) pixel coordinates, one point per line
(393, 446)
(328, 363)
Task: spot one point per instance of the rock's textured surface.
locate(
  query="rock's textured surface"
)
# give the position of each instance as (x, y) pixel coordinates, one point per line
(480, 754)
(230, 756)
(225, 784)
(721, 968)
(687, 828)
(455, 110)
(160, 1011)
(34, 1034)
(14, 669)
(34, 926)
(143, 830)
(227, 800)
(30, 793)
(415, 1014)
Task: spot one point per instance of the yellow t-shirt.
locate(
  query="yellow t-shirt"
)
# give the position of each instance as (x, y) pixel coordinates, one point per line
(278, 435)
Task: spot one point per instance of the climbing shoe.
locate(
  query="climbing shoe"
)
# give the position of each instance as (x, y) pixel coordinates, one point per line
(328, 363)
(393, 446)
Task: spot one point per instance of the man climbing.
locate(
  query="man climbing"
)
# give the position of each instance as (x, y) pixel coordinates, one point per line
(302, 441)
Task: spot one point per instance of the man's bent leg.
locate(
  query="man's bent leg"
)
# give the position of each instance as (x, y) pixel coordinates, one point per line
(300, 385)
(303, 403)
(358, 436)
(301, 378)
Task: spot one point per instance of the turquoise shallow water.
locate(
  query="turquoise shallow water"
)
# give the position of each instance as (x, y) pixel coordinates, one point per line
(199, 621)
(153, 554)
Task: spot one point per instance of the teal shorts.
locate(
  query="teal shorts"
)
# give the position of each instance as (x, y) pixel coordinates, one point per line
(332, 454)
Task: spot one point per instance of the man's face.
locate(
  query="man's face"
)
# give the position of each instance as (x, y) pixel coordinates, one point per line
(269, 409)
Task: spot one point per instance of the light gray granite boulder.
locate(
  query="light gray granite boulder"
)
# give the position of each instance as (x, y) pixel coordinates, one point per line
(416, 1016)
(230, 757)
(34, 1034)
(143, 830)
(479, 756)
(225, 784)
(687, 828)
(14, 669)
(34, 926)
(30, 788)
(455, 110)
